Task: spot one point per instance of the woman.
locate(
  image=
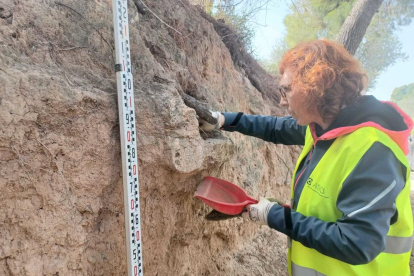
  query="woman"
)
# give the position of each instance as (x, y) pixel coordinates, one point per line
(350, 209)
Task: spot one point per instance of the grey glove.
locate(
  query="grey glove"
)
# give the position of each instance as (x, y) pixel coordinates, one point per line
(205, 126)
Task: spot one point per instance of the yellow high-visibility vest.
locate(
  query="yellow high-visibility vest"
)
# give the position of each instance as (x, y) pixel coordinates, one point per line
(327, 178)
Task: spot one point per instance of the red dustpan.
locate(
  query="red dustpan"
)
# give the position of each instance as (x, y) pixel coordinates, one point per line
(223, 196)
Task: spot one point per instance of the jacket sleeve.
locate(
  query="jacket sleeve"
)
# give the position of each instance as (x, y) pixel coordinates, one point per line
(279, 130)
(367, 201)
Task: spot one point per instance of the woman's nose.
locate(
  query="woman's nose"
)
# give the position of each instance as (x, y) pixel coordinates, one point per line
(283, 102)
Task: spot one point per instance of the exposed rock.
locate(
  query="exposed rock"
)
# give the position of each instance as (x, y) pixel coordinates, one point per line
(60, 159)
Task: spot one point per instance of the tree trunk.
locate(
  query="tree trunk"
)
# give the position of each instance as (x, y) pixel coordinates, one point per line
(356, 24)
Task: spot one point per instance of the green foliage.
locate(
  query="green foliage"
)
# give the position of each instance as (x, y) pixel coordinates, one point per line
(311, 19)
(225, 10)
(402, 93)
(380, 48)
(239, 23)
(407, 106)
(278, 50)
(404, 97)
(208, 6)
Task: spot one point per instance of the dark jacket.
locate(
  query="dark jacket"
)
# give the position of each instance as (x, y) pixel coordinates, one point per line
(376, 170)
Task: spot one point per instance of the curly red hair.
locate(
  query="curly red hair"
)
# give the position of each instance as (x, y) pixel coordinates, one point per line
(326, 75)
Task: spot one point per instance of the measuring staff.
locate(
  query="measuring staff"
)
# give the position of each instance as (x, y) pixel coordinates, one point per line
(128, 138)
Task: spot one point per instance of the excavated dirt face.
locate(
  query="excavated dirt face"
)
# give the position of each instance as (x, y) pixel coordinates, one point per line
(61, 206)
(60, 164)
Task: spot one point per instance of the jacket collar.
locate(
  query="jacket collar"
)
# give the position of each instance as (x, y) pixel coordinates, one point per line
(385, 116)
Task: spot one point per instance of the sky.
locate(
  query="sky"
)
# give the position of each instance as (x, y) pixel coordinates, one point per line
(270, 28)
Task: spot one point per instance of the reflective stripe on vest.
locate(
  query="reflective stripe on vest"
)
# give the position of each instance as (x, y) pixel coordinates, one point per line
(394, 245)
(398, 245)
(298, 270)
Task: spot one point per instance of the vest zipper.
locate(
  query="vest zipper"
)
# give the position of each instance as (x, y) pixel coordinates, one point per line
(306, 164)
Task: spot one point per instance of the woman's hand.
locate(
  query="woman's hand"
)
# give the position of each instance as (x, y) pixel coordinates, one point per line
(205, 126)
(258, 212)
